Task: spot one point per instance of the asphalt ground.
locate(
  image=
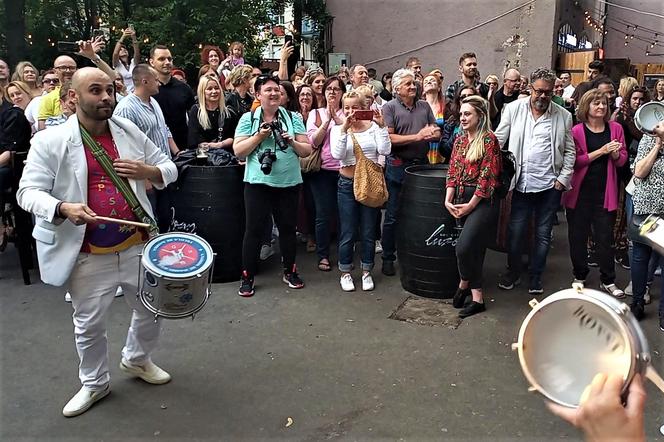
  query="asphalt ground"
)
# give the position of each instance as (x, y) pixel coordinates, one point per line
(332, 362)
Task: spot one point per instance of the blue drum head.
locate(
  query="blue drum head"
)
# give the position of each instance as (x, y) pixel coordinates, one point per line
(177, 255)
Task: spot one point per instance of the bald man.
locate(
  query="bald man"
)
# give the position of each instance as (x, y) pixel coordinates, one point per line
(65, 66)
(66, 188)
(506, 94)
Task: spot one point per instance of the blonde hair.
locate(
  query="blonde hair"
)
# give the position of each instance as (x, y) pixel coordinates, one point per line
(20, 67)
(355, 94)
(19, 85)
(626, 85)
(203, 117)
(491, 77)
(476, 150)
(239, 74)
(365, 89)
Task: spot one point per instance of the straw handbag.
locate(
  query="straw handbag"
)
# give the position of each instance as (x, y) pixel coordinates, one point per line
(313, 162)
(369, 184)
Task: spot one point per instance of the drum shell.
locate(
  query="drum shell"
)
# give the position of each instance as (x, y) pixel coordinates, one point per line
(212, 198)
(652, 232)
(173, 298)
(648, 116)
(425, 234)
(637, 350)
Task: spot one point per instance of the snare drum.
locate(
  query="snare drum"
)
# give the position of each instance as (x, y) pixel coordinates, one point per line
(575, 334)
(648, 116)
(652, 231)
(175, 274)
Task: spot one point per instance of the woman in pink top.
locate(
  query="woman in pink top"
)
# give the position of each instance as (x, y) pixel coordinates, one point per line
(324, 182)
(593, 199)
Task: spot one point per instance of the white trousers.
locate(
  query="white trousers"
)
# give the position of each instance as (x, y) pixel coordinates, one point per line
(92, 286)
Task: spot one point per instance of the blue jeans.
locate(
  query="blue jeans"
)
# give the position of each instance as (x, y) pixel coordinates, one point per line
(543, 205)
(324, 189)
(641, 255)
(353, 215)
(394, 175)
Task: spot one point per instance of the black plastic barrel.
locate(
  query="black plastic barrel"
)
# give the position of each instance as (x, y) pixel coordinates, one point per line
(210, 201)
(426, 234)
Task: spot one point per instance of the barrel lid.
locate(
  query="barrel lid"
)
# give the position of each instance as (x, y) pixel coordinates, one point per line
(177, 254)
(428, 170)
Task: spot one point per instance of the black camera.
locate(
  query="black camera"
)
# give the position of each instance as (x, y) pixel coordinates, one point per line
(268, 157)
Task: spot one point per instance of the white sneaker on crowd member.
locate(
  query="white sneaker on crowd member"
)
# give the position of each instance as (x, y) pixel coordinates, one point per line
(68, 297)
(628, 289)
(379, 247)
(83, 400)
(579, 282)
(612, 290)
(367, 282)
(119, 292)
(266, 251)
(347, 284)
(149, 372)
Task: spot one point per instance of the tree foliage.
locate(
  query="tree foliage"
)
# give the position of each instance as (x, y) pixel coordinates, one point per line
(183, 25)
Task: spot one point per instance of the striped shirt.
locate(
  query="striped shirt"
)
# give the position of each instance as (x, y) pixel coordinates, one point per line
(148, 117)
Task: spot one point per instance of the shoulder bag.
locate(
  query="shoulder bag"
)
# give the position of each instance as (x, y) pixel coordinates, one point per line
(369, 184)
(313, 162)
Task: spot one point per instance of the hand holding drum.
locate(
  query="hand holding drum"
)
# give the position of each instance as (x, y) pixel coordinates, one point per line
(601, 414)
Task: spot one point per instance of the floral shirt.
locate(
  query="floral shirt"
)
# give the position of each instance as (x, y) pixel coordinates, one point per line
(483, 173)
(648, 196)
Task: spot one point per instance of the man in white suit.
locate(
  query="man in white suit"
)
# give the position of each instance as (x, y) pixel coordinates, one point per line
(65, 187)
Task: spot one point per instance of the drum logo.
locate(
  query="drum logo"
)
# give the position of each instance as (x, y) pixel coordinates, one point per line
(178, 254)
(588, 322)
(441, 238)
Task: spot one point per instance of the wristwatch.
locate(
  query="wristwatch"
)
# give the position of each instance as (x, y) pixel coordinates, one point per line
(96, 60)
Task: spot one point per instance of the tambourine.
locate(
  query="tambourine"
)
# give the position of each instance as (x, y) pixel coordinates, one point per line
(575, 334)
(648, 116)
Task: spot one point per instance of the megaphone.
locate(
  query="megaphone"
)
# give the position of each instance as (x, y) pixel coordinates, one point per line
(648, 116)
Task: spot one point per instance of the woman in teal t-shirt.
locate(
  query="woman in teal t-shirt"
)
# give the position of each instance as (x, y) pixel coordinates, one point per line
(272, 178)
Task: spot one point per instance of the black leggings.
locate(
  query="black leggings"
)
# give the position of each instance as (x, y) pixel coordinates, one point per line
(472, 243)
(260, 203)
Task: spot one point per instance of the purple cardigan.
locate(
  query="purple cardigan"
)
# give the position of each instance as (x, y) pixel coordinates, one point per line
(583, 161)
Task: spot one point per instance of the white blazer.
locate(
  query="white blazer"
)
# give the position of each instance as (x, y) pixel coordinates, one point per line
(56, 170)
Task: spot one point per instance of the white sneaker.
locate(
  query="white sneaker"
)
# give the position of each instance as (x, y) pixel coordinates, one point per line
(83, 400)
(579, 282)
(379, 247)
(367, 282)
(149, 372)
(347, 284)
(68, 299)
(119, 292)
(628, 289)
(266, 251)
(612, 290)
(646, 296)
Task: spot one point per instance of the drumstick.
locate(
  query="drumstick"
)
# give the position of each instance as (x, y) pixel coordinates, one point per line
(122, 221)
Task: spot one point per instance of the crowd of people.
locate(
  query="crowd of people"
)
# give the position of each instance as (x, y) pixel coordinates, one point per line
(576, 147)
(299, 137)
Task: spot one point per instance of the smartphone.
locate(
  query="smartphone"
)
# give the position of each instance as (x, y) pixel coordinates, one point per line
(68, 46)
(288, 39)
(364, 115)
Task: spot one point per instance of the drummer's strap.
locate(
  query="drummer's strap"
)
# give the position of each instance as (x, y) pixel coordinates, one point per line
(120, 183)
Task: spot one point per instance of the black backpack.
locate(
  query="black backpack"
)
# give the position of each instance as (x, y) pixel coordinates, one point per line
(506, 173)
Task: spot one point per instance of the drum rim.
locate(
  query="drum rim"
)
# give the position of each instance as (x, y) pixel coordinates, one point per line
(148, 265)
(649, 104)
(634, 336)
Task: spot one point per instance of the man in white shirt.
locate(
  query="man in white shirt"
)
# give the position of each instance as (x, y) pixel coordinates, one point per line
(538, 132)
(568, 88)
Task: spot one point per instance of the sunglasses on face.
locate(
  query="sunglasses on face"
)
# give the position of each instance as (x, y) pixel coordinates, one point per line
(51, 81)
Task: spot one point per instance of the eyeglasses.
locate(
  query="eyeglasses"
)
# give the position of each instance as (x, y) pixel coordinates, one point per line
(66, 68)
(334, 90)
(492, 83)
(306, 94)
(542, 93)
(51, 81)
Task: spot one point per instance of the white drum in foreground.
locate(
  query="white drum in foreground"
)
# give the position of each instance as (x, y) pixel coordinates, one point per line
(648, 116)
(175, 274)
(575, 334)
